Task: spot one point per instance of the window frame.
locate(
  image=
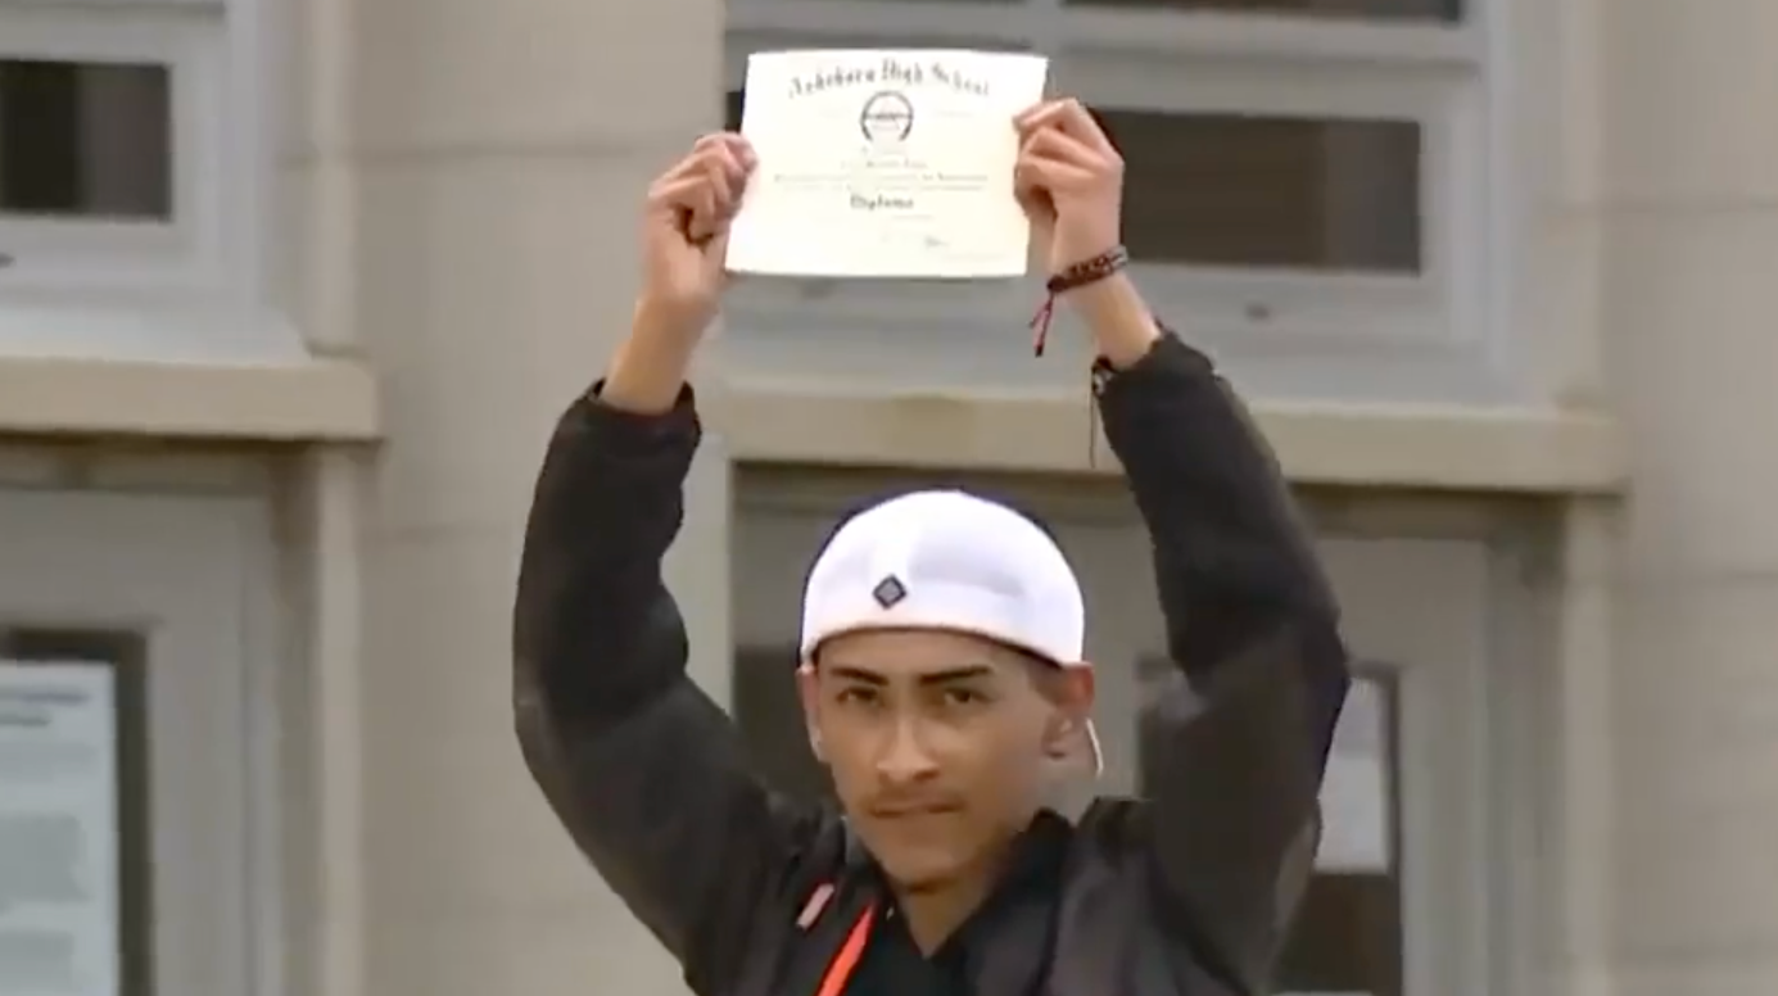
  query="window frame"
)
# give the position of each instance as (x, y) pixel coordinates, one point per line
(1410, 329)
(190, 252)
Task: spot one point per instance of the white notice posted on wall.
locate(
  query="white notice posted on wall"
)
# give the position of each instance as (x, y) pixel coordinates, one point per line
(1356, 794)
(58, 830)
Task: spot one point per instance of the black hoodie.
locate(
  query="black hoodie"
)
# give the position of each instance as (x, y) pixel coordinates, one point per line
(1189, 892)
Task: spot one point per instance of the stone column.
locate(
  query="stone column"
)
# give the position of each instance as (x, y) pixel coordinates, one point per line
(1691, 326)
(495, 154)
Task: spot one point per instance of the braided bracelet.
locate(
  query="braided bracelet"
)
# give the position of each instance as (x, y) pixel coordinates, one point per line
(1079, 275)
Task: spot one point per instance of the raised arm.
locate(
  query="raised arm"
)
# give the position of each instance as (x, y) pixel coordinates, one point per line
(638, 764)
(1247, 725)
(1250, 619)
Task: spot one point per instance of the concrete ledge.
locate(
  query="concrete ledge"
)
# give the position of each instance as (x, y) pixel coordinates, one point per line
(1423, 447)
(314, 400)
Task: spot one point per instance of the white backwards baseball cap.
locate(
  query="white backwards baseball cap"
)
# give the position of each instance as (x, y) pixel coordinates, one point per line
(949, 560)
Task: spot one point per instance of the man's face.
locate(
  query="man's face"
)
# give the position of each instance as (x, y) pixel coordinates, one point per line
(940, 744)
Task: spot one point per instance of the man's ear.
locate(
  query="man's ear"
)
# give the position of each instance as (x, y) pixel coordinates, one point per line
(1072, 693)
(810, 695)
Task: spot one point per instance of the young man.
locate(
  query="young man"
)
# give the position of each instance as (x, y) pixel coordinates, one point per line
(942, 673)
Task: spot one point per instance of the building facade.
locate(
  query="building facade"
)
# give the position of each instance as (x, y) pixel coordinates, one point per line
(291, 292)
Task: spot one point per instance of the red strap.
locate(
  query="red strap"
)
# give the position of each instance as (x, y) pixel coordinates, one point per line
(845, 961)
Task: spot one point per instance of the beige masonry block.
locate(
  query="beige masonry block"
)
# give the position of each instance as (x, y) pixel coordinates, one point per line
(543, 953)
(493, 292)
(1690, 330)
(1696, 729)
(1689, 104)
(473, 75)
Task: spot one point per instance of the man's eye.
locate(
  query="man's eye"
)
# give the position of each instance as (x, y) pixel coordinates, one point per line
(964, 697)
(856, 696)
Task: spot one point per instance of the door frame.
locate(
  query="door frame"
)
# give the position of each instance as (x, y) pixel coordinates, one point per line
(122, 547)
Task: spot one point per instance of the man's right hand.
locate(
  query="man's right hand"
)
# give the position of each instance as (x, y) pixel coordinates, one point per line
(685, 233)
(684, 242)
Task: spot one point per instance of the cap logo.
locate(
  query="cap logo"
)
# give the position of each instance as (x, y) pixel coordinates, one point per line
(889, 592)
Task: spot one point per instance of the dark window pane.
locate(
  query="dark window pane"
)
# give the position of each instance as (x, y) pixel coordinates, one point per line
(770, 715)
(125, 653)
(1347, 936)
(1248, 191)
(731, 109)
(1383, 10)
(85, 140)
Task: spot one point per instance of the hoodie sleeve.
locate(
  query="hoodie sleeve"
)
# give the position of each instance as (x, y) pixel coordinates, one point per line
(644, 771)
(1261, 670)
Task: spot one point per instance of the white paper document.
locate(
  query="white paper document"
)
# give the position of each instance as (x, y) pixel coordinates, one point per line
(876, 163)
(58, 831)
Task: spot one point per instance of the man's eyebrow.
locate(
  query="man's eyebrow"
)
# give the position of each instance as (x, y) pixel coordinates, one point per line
(956, 675)
(858, 674)
(947, 676)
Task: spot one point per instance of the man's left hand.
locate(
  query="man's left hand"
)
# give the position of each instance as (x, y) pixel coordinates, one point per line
(1070, 181)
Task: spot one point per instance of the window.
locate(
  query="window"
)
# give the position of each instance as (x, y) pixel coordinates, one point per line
(115, 149)
(1270, 191)
(1348, 936)
(1307, 179)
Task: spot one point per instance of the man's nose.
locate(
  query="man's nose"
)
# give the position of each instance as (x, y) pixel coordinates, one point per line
(904, 758)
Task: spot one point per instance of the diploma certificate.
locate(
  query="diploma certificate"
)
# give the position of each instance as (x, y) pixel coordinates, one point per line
(884, 164)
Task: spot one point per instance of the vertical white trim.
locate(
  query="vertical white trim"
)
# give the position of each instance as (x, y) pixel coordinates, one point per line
(311, 47)
(1579, 780)
(1504, 205)
(264, 658)
(203, 162)
(1519, 700)
(337, 720)
(249, 122)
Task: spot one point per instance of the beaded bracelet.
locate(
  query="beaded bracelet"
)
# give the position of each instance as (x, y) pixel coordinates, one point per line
(1079, 275)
